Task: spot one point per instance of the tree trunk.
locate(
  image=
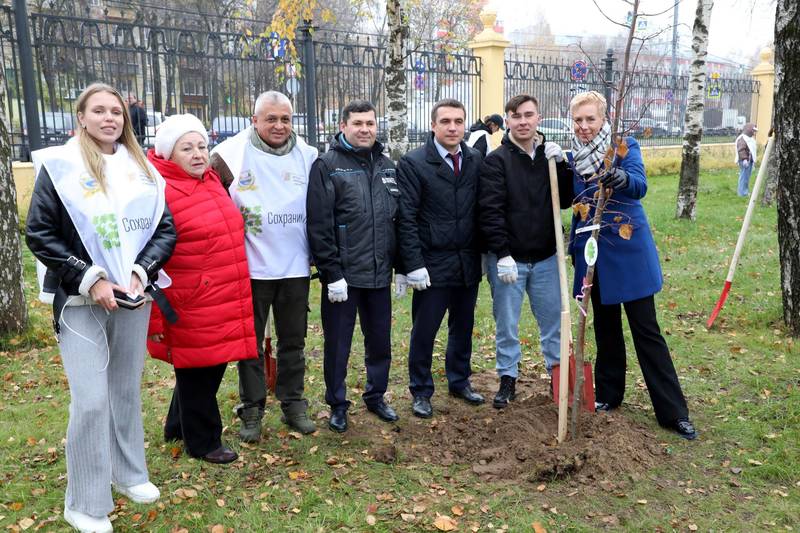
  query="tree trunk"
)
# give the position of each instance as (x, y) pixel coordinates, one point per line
(13, 312)
(787, 108)
(396, 105)
(690, 163)
(771, 187)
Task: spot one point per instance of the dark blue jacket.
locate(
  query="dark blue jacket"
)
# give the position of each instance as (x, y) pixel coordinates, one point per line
(351, 210)
(627, 269)
(438, 225)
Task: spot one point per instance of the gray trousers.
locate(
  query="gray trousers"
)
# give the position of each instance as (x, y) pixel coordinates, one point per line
(288, 299)
(105, 437)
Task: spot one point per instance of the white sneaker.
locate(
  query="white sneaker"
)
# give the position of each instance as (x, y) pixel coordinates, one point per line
(87, 524)
(143, 493)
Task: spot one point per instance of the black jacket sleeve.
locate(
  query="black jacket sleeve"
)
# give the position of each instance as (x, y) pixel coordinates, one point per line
(492, 204)
(320, 224)
(45, 232)
(160, 246)
(566, 190)
(409, 246)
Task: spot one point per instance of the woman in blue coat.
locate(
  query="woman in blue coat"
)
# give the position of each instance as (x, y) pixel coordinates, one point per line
(627, 271)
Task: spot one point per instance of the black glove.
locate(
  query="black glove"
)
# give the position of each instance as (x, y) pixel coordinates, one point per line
(616, 179)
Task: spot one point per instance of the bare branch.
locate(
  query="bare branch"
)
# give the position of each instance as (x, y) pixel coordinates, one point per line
(607, 17)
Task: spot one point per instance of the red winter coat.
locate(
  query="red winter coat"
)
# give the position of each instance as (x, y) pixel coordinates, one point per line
(210, 289)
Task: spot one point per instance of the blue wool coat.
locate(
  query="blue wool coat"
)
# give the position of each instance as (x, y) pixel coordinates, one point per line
(627, 269)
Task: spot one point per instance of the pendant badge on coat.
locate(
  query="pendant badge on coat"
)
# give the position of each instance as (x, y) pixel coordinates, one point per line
(590, 251)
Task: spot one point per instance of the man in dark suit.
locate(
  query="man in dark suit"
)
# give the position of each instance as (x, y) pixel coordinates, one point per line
(438, 248)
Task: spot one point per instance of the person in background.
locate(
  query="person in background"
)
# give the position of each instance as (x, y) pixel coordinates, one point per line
(438, 246)
(138, 118)
(210, 290)
(352, 209)
(746, 157)
(265, 168)
(627, 271)
(99, 223)
(480, 133)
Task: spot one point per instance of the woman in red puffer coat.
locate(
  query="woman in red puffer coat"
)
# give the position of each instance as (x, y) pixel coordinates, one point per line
(210, 289)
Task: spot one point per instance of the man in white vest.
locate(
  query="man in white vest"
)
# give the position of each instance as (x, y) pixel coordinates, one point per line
(265, 168)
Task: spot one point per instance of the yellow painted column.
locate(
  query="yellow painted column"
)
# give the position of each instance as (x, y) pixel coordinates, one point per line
(764, 73)
(490, 46)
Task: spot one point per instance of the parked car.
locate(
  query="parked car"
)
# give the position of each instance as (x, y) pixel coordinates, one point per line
(223, 127)
(644, 128)
(154, 120)
(56, 127)
(557, 130)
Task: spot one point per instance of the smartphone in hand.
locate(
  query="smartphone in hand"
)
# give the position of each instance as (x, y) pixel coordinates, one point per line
(127, 301)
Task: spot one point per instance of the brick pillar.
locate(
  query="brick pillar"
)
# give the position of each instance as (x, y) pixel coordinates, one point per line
(490, 47)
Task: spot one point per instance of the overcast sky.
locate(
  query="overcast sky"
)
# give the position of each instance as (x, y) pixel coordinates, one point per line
(739, 28)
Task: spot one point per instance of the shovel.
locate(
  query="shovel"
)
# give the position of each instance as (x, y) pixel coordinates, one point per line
(270, 364)
(762, 172)
(564, 383)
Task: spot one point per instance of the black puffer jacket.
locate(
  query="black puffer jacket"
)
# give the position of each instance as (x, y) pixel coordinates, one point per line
(351, 209)
(53, 239)
(438, 215)
(516, 213)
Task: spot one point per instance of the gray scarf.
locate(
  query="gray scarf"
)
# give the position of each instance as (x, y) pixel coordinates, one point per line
(259, 143)
(588, 157)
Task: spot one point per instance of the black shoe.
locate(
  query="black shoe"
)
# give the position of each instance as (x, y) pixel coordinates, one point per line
(338, 421)
(383, 411)
(602, 406)
(506, 393)
(422, 407)
(468, 395)
(220, 456)
(685, 429)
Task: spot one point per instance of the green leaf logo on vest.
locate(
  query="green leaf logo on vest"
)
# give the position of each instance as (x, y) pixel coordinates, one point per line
(106, 228)
(252, 219)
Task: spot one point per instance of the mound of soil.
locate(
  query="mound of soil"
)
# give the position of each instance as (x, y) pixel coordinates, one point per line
(515, 443)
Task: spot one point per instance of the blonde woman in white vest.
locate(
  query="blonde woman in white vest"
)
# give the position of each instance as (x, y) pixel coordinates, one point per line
(99, 223)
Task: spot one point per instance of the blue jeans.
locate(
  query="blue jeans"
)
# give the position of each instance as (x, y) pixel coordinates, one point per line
(744, 177)
(540, 281)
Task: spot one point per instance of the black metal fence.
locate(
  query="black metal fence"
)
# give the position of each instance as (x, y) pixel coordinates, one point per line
(654, 106)
(216, 68)
(175, 66)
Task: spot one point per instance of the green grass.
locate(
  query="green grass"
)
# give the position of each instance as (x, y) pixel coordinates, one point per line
(741, 379)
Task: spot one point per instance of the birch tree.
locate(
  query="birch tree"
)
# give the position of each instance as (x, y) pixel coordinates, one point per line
(690, 162)
(13, 313)
(787, 129)
(396, 102)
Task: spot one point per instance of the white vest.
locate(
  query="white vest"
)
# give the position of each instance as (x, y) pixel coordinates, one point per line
(270, 191)
(479, 134)
(751, 145)
(113, 227)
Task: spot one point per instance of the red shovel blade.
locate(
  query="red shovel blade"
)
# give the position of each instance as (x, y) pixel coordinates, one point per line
(588, 384)
(724, 296)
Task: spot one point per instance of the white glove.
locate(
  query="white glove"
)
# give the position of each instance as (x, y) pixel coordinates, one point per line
(337, 291)
(553, 150)
(507, 269)
(418, 279)
(400, 285)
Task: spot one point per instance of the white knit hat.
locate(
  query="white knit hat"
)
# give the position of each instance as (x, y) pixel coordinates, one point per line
(173, 128)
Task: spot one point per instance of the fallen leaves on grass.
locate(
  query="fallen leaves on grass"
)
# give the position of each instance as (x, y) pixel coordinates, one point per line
(445, 523)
